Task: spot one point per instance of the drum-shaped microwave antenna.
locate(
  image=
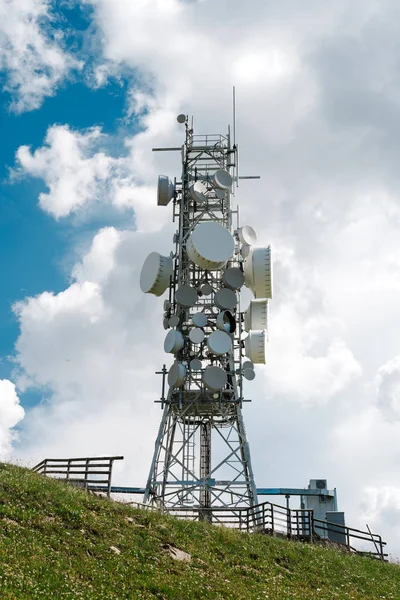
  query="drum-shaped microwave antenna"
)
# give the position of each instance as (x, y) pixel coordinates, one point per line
(165, 190)
(233, 278)
(176, 375)
(245, 250)
(173, 341)
(222, 179)
(155, 274)
(198, 192)
(226, 321)
(225, 299)
(181, 118)
(219, 342)
(258, 272)
(186, 296)
(214, 378)
(210, 245)
(206, 289)
(256, 316)
(247, 235)
(255, 346)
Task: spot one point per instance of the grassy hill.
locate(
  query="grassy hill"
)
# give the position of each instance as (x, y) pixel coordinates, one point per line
(58, 542)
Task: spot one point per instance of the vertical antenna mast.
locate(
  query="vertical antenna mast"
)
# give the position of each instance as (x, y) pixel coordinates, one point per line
(202, 460)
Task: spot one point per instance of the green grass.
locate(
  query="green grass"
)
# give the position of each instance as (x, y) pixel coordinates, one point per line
(55, 542)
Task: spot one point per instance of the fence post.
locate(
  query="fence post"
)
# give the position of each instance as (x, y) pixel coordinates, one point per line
(68, 468)
(87, 462)
(311, 524)
(45, 467)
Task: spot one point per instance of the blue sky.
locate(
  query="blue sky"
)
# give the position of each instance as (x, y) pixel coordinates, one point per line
(36, 251)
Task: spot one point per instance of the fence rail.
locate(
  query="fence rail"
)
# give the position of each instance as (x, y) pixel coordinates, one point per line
(93, 473)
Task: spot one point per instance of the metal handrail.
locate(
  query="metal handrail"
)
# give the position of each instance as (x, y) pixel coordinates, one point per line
(84, 471)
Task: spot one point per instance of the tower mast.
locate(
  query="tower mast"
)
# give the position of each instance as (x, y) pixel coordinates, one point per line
(202, 459)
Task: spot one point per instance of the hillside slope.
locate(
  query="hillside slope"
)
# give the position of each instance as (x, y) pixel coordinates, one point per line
(58, 542)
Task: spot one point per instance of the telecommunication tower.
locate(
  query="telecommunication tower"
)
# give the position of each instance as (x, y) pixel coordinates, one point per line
(201, 459)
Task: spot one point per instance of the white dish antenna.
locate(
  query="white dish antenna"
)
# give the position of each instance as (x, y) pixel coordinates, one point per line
(226, 321)
(165, 190)
(255, 346)
(245, 250)
(206, 289)
(155, 274)
(176, 375)
(222, 180)
(173, 342)
(199, 319)
(186, 296)
(210, 245)
(258, 272)
(214, 378)
(198, 192)
(233, 278)
(195, 364)
(247, 235)
(173, 321)
(249, 374)
(219, 342)
(196, 335)
(256, 316)
(225, 299)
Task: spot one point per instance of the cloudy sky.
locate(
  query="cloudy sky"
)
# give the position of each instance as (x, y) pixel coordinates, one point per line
(88, 88)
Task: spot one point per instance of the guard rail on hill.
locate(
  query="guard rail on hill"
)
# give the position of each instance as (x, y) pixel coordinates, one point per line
(92, 473)
(295, 524)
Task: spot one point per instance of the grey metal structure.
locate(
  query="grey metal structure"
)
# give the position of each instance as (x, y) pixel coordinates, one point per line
(202, 458)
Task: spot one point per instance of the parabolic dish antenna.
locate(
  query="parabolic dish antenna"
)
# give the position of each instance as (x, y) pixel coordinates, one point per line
(249, 374)
(214, 378)
(247, 365)
(198, 192)
(245, 250)
(199, 319)
(247, 235)
(181, 118)
(210, 245)
(155, 274)
(225, 299)
(226, 321)
(258, 272)
(173, 321)
(176, 375)
(206, 289)
(196, 335)
(219, 343)
(222, 180)
(256, 316)
(173, 341)
(255, 346)
(186, 296)
(233, 278)
(165, 190)
(195, 364)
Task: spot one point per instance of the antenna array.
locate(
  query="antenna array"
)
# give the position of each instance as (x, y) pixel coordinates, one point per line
(202, 459)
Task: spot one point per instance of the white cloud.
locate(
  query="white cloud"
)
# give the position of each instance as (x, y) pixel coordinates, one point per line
(79, 173)
(11, 413)
(388, 389)
(33, 60)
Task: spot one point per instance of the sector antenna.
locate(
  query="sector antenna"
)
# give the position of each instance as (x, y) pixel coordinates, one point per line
(201, 460)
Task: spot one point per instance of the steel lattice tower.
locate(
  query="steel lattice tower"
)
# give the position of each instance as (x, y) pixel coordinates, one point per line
(202, 458)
